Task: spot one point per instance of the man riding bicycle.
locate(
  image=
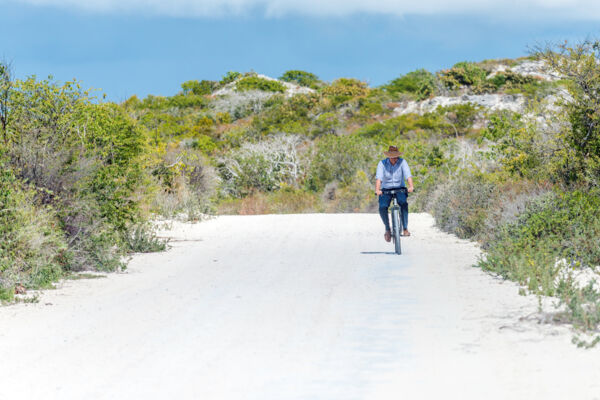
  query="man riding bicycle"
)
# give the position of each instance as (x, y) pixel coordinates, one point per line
(392, 174)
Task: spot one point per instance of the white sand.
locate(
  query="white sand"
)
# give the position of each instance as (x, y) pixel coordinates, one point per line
(292, 307)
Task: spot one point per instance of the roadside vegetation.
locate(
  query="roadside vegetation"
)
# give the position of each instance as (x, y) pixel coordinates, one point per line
(81, 178)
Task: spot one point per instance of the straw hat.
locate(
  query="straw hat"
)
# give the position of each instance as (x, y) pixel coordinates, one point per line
(392, 152)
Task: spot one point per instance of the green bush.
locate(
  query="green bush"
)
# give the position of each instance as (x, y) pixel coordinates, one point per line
(369, 109)
(186, 101)
(344, 90)
(460, 117)
(84, 159)
(302, 78)
(463, 204)
(389, 130)
(565, 223)
(556, 226)
(257, 83)
(33, 251)
(229, 77)
(187, 182)
(510, 79)
(199, 88)
(119, 145)
(420, 83)
(338, 158)
(520, 147)
(204, 143)
(463, 74)
(142, 238)
(291, 116)
(325, 124)
(355, 196)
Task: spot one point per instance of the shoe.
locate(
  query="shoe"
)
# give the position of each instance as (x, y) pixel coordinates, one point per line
(388, 236)
(406, 233)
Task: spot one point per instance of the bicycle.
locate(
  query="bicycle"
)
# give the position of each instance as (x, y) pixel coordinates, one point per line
(396, 220)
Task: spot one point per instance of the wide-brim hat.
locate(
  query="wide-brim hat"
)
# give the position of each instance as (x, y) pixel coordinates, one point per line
(392, 152)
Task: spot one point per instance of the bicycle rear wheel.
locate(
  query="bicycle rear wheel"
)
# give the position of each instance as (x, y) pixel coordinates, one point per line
(396, 230)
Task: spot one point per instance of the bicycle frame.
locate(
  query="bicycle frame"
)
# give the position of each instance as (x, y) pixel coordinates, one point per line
(396, 220)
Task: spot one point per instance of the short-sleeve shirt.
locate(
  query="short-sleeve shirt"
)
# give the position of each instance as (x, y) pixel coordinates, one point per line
(392, 176)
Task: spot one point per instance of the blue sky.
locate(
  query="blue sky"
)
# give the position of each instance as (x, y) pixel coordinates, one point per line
(126, 47)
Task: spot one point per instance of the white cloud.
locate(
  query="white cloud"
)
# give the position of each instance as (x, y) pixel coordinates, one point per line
(572, 9)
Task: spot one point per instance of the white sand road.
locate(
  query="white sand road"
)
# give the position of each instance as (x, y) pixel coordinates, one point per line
(293, 307)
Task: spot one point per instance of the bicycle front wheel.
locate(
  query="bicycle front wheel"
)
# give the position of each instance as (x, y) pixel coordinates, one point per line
(396, 230)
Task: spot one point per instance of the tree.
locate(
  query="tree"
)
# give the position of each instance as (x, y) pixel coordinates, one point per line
(579, 64)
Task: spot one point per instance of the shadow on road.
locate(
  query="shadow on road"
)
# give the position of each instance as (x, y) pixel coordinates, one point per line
(377, 252)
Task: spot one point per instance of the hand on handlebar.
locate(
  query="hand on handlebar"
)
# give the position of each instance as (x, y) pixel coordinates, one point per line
(411, 189)
(378, 192)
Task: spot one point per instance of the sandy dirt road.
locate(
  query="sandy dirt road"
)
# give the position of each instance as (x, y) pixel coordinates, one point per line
(292, 307)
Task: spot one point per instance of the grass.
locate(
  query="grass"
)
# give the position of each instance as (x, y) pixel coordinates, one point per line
(84, 275)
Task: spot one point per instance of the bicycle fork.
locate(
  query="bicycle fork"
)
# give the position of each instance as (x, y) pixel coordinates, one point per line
(396, 225)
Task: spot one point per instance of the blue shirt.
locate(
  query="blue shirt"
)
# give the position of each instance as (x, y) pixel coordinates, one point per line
(392, 176)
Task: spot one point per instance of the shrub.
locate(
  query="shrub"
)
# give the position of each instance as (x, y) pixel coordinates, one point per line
(343, 90)
(463, 204)
(535, 90)
(204, 143)
(257, 83)
(338, 158)
(510, 79)
(291, 116)
(242, 104)
(519, 146)
(420, 83)
(85, 160)
(33, 251)
(142, 239)
(326, 123)
(118, 144)
(579, 64)
(264, 166)
(286, 200)
(389, 130)
(463, 74)
(154, 102)
(302, 78)
(199, 88)
(555, 237)
(229, 77)
(188, 182)
(369, 109)
(186, 101)
(355, 196)
(460, 117)
(568, 223)
(203, 126)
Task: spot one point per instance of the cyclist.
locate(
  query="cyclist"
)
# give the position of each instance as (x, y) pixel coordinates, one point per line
(392, 173)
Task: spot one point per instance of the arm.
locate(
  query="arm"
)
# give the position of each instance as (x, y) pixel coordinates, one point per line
(379, 177)
(410, 185)
(406, 172)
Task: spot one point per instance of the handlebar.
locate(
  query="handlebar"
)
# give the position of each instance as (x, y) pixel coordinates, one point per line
(394, 191)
